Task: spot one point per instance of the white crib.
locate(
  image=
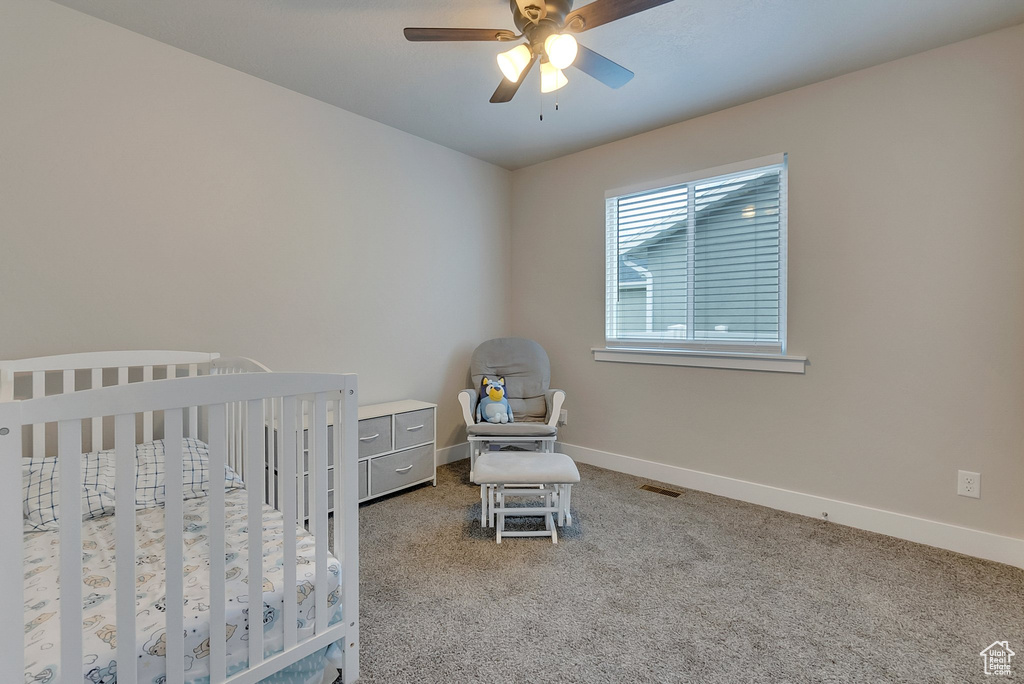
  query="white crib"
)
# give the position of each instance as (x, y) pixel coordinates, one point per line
(243, 414)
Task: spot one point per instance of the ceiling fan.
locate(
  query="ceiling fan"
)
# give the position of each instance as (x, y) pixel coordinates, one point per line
(547, 26)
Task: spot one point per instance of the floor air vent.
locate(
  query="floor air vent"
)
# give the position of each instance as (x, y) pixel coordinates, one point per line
(660, 490)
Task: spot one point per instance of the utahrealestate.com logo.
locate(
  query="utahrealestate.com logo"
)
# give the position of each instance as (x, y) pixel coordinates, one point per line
(997, 658)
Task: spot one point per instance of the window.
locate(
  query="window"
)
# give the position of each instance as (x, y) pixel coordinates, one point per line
(698, 262)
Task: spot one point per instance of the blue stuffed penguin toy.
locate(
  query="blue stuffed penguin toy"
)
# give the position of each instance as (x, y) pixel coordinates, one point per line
(493, 406)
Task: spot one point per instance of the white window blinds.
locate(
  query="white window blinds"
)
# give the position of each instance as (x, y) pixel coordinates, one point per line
(699, 262)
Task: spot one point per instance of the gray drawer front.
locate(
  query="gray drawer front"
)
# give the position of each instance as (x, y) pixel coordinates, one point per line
(363, 489)
(330, 448)
(330, 493)
(415, 427)
(369, 445)
(400, 469)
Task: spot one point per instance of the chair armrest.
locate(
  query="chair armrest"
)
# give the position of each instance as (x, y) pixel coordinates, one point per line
(554, 399)
(468, 399)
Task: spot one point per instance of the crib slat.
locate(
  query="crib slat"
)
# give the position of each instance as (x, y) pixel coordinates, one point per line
(124, 529)
(303, 448)
(347, 508)
(69, 442)
(291, 454)
(68, 387)
(255, 457)
(243, 421)
(274, 435)
(12, 636)
(173, 537)
(193, 411)
(122, 375)
(309, 472)
(232, 439)
(229, 411)
(239, 461)
(268, 417)
(240, 441)
(39, 429)
(96, 381)
(171, 372)
(318, 480)
(339, 532)
(236, 439)
(218, 429)
(274, 441)
(278, 452)
(147, 416)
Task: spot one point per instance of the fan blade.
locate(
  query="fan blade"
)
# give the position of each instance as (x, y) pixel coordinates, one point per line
(603, 69)
(603, 11)
(507, 89)
(431, 34)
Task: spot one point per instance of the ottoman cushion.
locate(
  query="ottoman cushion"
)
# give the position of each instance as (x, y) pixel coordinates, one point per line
(514, 467)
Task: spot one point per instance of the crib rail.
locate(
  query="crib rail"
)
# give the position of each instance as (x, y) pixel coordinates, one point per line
(65, 373)
(289, 400)
(134, 358)
(236, 364)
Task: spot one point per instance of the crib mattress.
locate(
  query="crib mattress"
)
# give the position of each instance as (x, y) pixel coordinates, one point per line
(42, 632)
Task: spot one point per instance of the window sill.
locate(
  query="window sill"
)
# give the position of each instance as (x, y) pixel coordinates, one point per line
(776, 363)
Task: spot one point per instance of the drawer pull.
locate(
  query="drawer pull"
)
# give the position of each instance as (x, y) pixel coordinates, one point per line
(414, 427)
(403, 470)
(370, 438)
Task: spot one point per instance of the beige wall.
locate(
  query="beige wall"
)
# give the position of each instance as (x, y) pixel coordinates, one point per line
(906, 282)
(150, 198)
(153, 199)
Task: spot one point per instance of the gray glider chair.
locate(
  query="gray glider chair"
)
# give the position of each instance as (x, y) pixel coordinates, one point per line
(535, 406)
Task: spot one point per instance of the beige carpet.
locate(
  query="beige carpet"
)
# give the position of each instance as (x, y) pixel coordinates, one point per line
(648, 588)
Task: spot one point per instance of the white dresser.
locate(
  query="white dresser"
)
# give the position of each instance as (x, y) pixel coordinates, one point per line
(396, 451)
(396, 447)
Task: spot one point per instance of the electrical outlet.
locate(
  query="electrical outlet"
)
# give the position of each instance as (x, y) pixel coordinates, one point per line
(563, 417)
(968, 484)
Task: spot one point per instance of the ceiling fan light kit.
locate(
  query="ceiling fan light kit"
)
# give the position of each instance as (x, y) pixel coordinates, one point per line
(551, 78)
(561, 49)
(514, 62)
(547, 26)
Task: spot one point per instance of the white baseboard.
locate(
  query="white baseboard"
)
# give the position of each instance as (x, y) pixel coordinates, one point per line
(453, 453)
(964, 540)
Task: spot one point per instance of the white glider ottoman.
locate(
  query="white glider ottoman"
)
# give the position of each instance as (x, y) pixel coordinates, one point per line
(548, 476)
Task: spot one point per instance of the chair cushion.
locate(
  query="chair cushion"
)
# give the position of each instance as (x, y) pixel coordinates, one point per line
(511, 430)
(532, 408)
(517, 467)
(525, 366)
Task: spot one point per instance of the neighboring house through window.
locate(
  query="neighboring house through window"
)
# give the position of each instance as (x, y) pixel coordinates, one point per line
(698, 262)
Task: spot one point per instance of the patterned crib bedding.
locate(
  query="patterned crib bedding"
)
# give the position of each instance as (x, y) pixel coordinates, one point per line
(42, 562)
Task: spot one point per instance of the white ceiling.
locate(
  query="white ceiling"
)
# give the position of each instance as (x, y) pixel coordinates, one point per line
(691, 57)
